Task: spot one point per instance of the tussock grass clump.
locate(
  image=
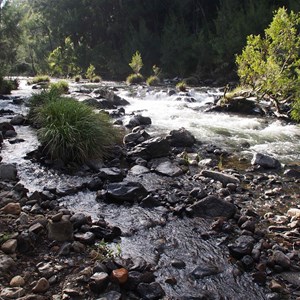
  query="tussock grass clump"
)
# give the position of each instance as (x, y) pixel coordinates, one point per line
(72, 131)
(181, 86)
(6, 86)
(77, 78)
(96, 79)
(135, 78)
(152, 80)
(39, 79)
(61, 86)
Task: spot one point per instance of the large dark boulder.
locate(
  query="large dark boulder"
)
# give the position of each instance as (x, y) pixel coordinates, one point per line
(211, 207)
(125, 191)
(152, 148)
(111, 96)
(138, 120)
(181, 138)
(265, 161)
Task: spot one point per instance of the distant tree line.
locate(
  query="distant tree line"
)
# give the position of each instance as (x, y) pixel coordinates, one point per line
(183, 38)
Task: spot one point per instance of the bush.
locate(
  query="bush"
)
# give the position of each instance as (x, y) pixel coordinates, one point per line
(136, 62)
(90, 72)
(61, 86)
(96, 79)
(77, 78)
(6, 86)
(135, 78)
(73, 132)
(152, 80)
(181, 86)
(39, 79)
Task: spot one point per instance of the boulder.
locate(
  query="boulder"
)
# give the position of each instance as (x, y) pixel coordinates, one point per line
(111, 96)
(265, 161)
(211, 207)
(8, 172)
(60, 231)
(169, 169)
(137, 137)
(181, 138)
(152, 148)
(223, 178)
(292, 173)
(139, 170)
(111, 174)
(5, 126)
(138, 120)
(242, 246)
(18, 120)
(125, 191)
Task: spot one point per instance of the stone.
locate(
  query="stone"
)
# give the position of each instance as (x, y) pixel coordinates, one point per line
(150, 202)
(6, 264)
(65, 249)
(99, 282)
(78, 247)
(150, 291)
(41, 286)
(8, 172)
(9, 246)
(279, 258)
(211, 207)
(95, 184)
(181, 138)
(265, 161)
(138, 120)
(178, 264)
(57, 217)
(36, 228)
(12, 293)
(120, 275)
(125, 191)
(60, 231)
(17, 281)
(5, 126)
(112, 295)
(79, 219)
(218, 176)
(85, 238)
(167, 168)
(111, 174)
(292, 173)
(152, 148)
(136, 137)
(294, 212)
(11, 209)
(17, 120)
(10, 134)
(139, 170)
(205, 270)
(242, 246)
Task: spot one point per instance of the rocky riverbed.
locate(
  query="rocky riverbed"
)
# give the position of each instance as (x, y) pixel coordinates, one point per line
(167, 217)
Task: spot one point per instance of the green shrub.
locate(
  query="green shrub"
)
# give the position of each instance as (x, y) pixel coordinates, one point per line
(39, 79)
(77, 78)
(61, 86)
(90, 72)
(6, 86)
(136, 62)
(152, 80)
(72, 131)
(135, 78)
(96, 79)
(181, 86)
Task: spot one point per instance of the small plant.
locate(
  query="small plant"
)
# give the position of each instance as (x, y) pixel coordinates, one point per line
(220, 163)
(72, 131)
(181, 86)
(134, 78)
(39, 79)
(96, 79)
(136, 62)
(77, 78)
(61, 86)
(152, 80)
(104, 252)
(90, 73)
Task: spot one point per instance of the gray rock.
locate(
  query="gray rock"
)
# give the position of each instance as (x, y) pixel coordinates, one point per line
(60, 231)
(212, 207)
(178, 264)
(12, 293)
(223, 178)
(136, 137)
(150, 291)
(9, 246)
(125, 191)
(242, 246)
(138, 120)
(112, 174)
(85, 238)
(111, 96)
(10, 134)
(265, 161)
(181, 138)
(112, 295)
(292, 173)
(95, 184)
(152, 148)
(169, 169)
(139, 170)
(99, 282)
(6, 264)
(17, 120)
(79, 219)
(279, 258)
(205, 270)
(8, 172)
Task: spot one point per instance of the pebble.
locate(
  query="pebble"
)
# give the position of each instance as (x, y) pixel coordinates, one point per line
(10, 246)
(41, 286)
(17, 281)
(12, 293)
(12, 209)
(120, 275)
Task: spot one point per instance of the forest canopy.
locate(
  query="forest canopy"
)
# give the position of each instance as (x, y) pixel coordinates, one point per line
(183, 38)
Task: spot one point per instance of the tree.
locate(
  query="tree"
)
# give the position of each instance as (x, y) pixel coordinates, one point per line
(271, 64)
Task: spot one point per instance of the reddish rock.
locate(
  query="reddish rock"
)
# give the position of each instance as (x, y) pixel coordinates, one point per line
(120, 275)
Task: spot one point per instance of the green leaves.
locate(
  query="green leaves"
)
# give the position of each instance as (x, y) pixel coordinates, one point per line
(136, 62)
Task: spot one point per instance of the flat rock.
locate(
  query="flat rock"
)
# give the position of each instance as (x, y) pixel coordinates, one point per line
(265, 161)
(205, 270)
(211, 207)
(112, 174)
(223, 178)
(12, 293)
(139, 170)
(169, 169)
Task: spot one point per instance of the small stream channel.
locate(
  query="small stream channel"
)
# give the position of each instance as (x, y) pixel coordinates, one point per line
(155, 234)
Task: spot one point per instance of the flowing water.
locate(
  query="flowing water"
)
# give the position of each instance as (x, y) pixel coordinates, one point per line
(156, 234)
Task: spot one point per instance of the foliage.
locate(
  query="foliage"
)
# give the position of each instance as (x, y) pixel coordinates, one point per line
(134, 78)
(181, 86)
(96, 79)
(77, 78)
(61, 86)
(152, 80)
(271, 64)
(90, 72)
(136, 63)
(72, 131)
(6, 86)
(103, 251)
(39, 79)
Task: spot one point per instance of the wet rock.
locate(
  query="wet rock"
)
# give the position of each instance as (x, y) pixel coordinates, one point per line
(279, 258)
(36, 228)
(85, 238)
(95, 184)
(8, 172)
(17, 281)
(99, 282)
(41, 286)
(139, 170)
(125, 191)
(292, 173)
(120, 275)
(181, 138)
(16, 141)
(198, 193)
(138, 120)
(78, 247)
(178, 264)
(150, 291)
(111, 174)
(150, 202)
(223, 178)
(152, 148)
(265, 161)
(10, 246)
(168, 168)
(11, 209)
(275, 286)
(10, 134)
(65, 249)
(79, 219)
(6, 264)
(112, 295)
(12, 293)
(111, 96)
(4, 127)
(60, 231)
(212, 207)
(26, 241)
(242, 246)
(17, 120)
(136, 137)
(205, 270)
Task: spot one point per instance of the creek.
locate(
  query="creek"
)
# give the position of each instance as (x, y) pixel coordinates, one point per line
(155, 234)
